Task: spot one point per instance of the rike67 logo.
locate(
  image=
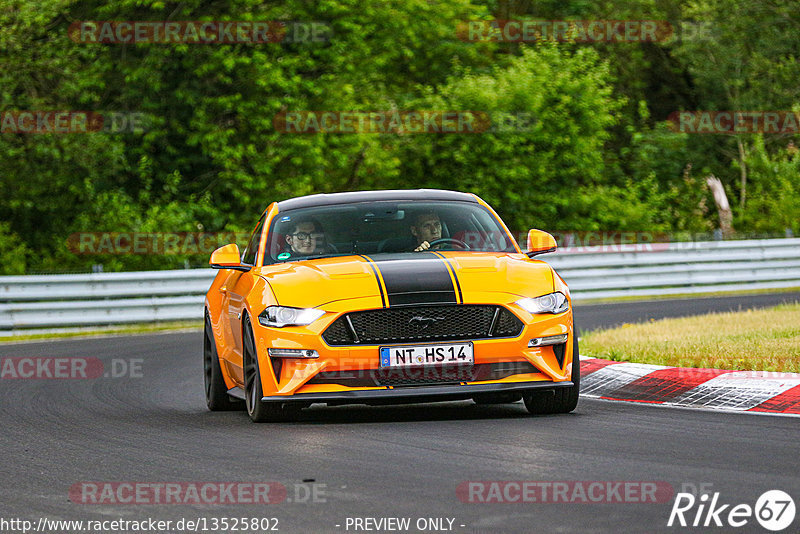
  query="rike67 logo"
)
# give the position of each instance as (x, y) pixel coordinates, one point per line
(774, 510)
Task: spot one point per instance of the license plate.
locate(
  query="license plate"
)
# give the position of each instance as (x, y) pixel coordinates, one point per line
(415, 355)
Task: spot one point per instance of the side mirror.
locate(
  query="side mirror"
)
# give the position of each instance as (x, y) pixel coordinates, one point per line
(540, 243)
(227, 257)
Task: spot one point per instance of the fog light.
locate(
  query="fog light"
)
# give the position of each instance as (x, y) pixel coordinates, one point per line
(549, 340)
(293, 353)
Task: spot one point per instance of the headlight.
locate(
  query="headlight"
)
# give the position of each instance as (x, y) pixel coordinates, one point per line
(280, 316)
(552, 303)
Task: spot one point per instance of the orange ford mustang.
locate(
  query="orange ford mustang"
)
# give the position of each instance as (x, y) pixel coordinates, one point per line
(381, 297)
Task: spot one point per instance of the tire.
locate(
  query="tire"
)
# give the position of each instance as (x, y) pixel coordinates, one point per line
(560, 400)
(259, 411)
(217, 398)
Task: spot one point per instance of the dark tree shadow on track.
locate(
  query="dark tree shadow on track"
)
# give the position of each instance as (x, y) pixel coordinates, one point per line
(400, 413)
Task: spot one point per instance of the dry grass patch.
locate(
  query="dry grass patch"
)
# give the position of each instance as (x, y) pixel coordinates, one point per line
(762, 340)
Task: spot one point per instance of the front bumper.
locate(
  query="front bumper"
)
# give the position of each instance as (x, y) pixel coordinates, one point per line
(296, 376)
(415, 393)
(291, 380)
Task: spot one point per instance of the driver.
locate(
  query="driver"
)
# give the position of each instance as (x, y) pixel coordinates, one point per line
(306, 237)
(426, 228)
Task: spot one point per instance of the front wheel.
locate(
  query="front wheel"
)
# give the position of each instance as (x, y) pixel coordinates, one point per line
(561, 400)
(258, 410)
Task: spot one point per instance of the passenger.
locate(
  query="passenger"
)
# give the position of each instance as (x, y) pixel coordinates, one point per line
(306, 238)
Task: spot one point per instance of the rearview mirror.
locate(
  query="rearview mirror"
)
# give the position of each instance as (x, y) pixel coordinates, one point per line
(540, 243)
(227, 257)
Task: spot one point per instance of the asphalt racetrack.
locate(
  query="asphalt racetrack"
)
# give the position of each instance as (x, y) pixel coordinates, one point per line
(151, 426)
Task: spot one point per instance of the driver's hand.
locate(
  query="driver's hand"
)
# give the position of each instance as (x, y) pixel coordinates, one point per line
(423, 246)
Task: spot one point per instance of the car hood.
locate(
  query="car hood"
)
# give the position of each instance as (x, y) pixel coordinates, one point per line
(409, 279)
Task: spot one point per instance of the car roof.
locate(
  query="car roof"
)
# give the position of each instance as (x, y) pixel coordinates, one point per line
(328, 199)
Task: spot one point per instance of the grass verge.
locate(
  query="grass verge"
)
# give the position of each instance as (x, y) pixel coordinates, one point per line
(146, 328)
(761, 340)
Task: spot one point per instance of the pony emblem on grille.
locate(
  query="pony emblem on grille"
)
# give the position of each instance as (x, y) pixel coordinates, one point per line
(422, 323)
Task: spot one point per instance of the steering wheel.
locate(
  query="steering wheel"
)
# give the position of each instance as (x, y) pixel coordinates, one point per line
(450, 241)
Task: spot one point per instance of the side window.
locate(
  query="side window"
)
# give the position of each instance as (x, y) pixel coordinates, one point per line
(249, 256)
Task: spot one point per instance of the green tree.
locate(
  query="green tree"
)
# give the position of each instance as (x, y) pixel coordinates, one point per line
(531, 168)
(743, 56)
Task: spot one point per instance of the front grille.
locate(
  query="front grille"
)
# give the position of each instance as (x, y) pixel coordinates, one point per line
(422, 323)
(507, 324)
(422, 376)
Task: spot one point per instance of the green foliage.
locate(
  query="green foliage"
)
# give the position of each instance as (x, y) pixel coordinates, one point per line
(596, 156)
(13, 252)
(671, 192)
(563, 107)
(743, 55)
(774, 194)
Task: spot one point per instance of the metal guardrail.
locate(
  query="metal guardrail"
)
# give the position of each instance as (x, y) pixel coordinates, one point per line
(75, 300)
(70, 300)
(661, 269)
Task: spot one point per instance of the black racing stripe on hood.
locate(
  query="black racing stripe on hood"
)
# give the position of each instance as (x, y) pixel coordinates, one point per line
(416, 278)
(377, 278)
(455, 276)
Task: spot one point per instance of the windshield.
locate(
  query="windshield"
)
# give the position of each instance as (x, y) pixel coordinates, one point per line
(384, 227)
